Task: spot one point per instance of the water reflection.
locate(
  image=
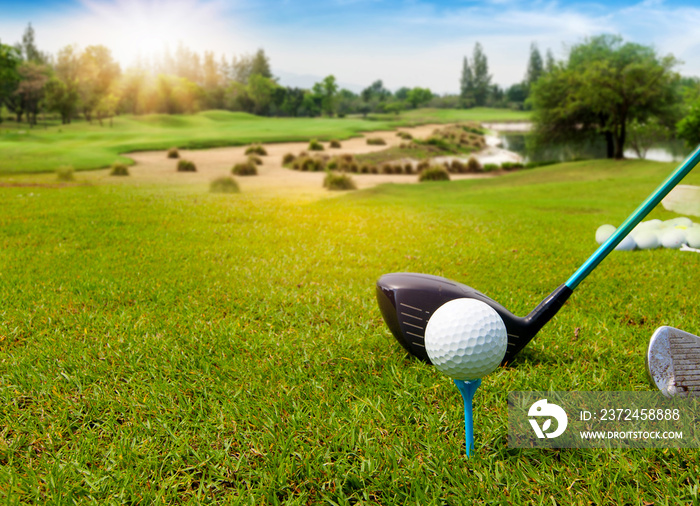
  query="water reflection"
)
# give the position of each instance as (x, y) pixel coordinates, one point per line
(669, 151)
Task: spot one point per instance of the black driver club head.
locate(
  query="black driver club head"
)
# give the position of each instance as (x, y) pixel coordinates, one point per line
(408, 300)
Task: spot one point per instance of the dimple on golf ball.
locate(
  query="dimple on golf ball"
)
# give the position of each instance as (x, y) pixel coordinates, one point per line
(466, 339)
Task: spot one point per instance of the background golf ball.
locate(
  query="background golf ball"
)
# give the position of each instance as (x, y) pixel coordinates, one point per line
(626, 244)
(692, 237)
(603, 233)
(673, 238)
(466, 339)
(647, 239)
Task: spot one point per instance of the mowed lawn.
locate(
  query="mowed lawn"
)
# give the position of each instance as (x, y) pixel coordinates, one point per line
(168, 345)
(91, 146)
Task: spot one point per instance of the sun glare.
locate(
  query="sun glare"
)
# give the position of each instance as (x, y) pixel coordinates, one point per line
(145, 29)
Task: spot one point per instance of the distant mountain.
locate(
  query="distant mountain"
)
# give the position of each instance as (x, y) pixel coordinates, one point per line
(306, 81)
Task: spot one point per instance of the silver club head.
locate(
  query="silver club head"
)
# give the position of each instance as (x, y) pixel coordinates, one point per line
(673, 362)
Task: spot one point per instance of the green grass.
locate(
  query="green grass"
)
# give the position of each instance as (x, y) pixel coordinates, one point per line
(170, 345)
(91, 146)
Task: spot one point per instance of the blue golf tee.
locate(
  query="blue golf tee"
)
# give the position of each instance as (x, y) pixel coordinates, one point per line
(467, 389)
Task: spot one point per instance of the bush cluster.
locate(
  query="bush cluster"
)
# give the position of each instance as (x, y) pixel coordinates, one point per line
(436, 173)
(245, 169)
(255, 159)
(404, 135)
(119, 169)
(335, 144)
(314, 145)
(376, 141)
(308, 163)
(512, 165)
(256, 149)
(224, 184)
(173, 153)
(338, 181)
(186, 166)
(288, 158)
(65, 173)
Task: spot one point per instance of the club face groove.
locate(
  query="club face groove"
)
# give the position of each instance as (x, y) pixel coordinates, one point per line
(673, 362)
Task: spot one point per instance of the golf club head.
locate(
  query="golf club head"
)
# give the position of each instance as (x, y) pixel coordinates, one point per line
(408, 300)
(673, 362)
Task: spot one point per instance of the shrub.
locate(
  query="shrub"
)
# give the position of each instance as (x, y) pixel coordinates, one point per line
(374, 169)
(532, 165)
(314, 145)
(336, 181)
(436, 173)
(347, 158)
(408, 168)
(354, 167)
(457, 167)
(186, 166)
(398, 168)
(404, 135)
(387, 169)
(256, 149)
(425, 164)
(173, 153)
(511, 165)
(490, 167)
(473, 165)
(288, 158)
(119, 169)
(335, 143)
(65, 173)
(366, 168)
(333, 164)
(255, 159)
(376, 141)
(245, 169)
(224, 184)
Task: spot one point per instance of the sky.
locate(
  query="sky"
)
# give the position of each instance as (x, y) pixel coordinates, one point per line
(402, 42)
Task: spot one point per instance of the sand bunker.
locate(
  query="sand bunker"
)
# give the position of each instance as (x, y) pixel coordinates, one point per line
(155, 167)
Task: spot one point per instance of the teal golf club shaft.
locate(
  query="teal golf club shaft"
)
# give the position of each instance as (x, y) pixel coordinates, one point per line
(467, 389)
(650, 203)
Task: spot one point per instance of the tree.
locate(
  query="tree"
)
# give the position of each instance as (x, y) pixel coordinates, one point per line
(9, 76)
(480, 72)
(62, 89)
(33, 79)
(466, 84)
(604, 85)
(375, 91)
(28, 50)
(418, 96)
(535, 67)
(643, 136)
(261, 90)
(328, 91)
(96, 73)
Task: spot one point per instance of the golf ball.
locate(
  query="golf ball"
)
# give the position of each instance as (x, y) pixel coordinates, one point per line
(692, 236)
(673, 238)
(627, 244)
(466, 339)
(603, 232)
(646, 239)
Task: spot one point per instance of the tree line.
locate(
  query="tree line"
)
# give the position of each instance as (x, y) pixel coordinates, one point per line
(619, 91)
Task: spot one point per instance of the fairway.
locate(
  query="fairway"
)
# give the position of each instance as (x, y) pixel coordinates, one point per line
(159, 343)
(91, 146)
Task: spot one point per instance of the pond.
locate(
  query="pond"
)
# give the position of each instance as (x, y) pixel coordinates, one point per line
(669, 151)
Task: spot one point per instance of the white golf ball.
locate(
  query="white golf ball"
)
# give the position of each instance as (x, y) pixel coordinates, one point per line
(646, 239)
(466, 339)
(603, 232)
(627, 244)
(673, 238)
(692, 237)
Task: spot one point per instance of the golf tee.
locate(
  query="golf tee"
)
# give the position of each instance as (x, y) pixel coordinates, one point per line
(467, 389)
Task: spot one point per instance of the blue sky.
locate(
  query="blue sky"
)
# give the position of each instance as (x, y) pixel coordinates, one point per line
(402, 42)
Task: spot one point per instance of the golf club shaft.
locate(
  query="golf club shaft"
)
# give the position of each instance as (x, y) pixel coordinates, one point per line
(650, 203)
